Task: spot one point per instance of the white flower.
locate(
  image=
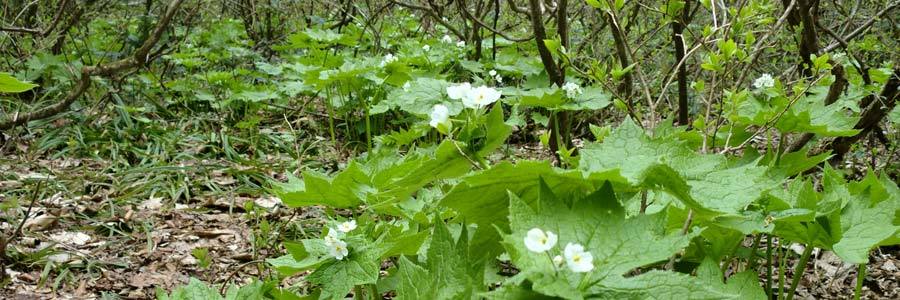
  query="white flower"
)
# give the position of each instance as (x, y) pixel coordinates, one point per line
(492, 73)
(332, 237)
(480, 97)
(577, 259)
(389, 58)
(537, 240)
(458, 92)
(498, 78)
(572, 89)
(558, 260)
(439, 115)
(406, 87)
(426, 48)
(461, 44)
(347, 226)
(338, 249)
(763, 82)
(446, 39)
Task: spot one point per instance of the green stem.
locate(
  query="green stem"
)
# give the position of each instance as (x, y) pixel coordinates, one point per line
(330, 116)
(752, 261)
(373, 292)
(860, 277)
(799, 270)
(584, 282)
(358, 293)
(368, 127)
(559, 137)
(783, 257)
(769, 266)
(780, 152)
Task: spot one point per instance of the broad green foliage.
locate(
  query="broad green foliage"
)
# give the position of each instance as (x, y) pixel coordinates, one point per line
(707, 183)
(436, 200)
(9, 84)
(449, 272)
(806, 114)
(493, 209)
(598, 221)
(381, 181)
(591, 98)
(197, 290)
(418, 97)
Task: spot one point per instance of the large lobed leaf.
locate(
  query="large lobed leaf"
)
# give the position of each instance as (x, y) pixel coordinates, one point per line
(707, 183)
(618, 245)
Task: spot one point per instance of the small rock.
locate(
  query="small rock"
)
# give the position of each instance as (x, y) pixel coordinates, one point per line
(889, 266)
(188, 260)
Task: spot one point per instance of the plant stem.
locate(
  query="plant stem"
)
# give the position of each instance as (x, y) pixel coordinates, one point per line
(860, 277)
(368, 127)
(372, 291)
(799, 270)
(684, 231)
(783, 257)
(769, 266)
(358, 293)
(330, 116)
(752, 261)
(559, 142)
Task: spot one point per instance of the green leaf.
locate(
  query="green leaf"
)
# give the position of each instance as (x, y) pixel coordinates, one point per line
(746, 284)
(195, 289)
(663, 285)
(552, 45)
(553, 98)
(598, 222)
(381, 181)
(337, 277)
(863, 227)
(316, 189)
(419, 98)
(449, 272)
(9, 84)
(497, 131)
(597, 3)
(707, 183)
(308, 255)
(482, 197)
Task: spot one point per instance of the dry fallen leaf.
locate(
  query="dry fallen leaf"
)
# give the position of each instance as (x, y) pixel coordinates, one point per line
(40, 223)
(154, 203)
(268, 202)
(75, 238)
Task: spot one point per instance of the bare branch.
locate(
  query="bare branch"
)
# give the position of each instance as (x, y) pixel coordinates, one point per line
(141, 57)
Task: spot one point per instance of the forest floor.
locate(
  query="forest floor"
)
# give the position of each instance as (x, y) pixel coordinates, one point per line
(94, 233)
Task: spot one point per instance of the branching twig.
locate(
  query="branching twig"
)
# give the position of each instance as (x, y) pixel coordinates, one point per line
(141, 57)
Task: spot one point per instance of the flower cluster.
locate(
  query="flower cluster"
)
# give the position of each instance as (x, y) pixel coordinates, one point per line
(446, 39)
(572, 89)
(578, 260)
(389, 58)
(337, 247)
(426, 48)
(473, 97)
(763, 82)
(496, 76)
